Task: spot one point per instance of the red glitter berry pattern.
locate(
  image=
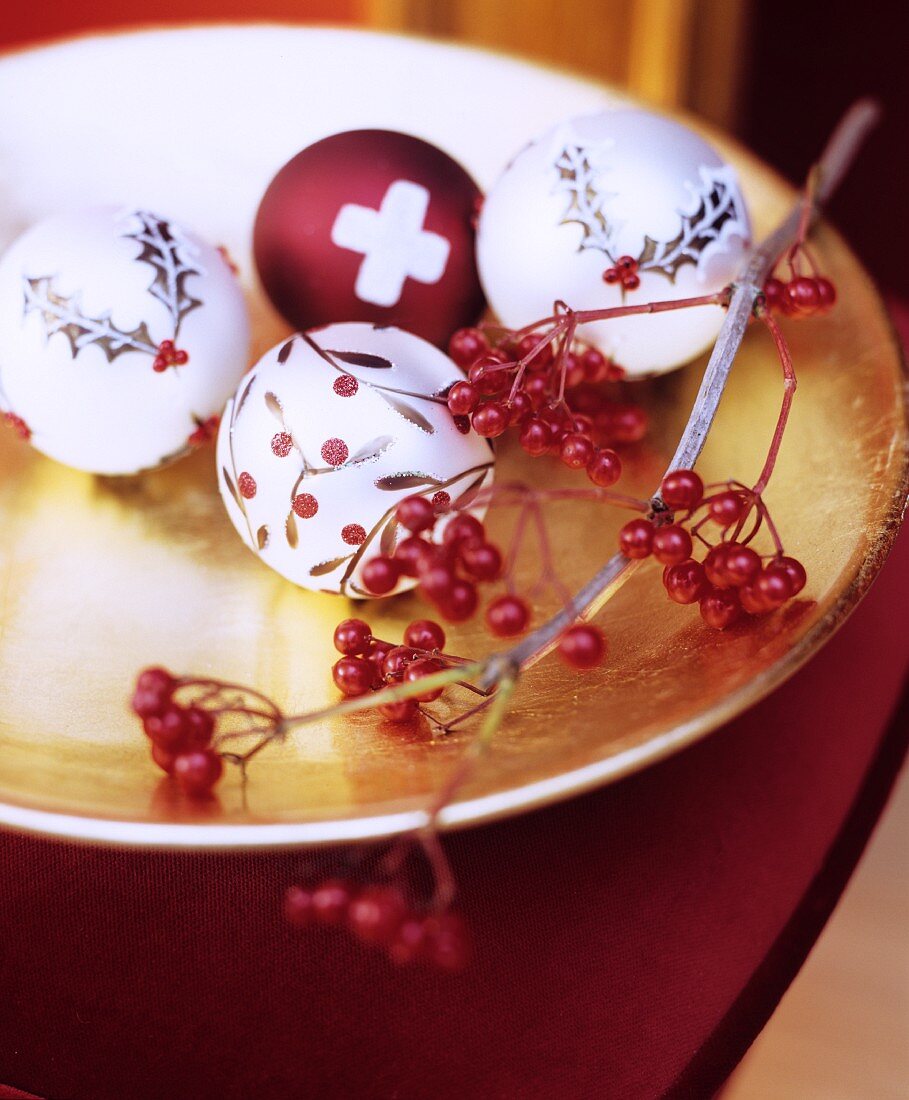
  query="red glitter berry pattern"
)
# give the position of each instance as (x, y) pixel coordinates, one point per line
(335, 452)
(246, 483)
(305, 505)
(282, 444)
(353, 534)
(346, 385)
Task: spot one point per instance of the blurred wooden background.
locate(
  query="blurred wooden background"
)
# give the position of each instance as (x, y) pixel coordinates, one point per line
(674, 53)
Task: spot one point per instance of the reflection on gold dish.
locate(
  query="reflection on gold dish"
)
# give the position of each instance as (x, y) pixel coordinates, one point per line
(100, 577)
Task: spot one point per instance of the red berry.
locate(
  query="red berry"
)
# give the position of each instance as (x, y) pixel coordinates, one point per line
(535, 436)
(441, 501)
(507, 616)
(582, 646)
(720, 608)
(631, 282)
(375, 914)
(793, 569)
(345, 386)
(624, 424)
(415, 513)
(482, 561)
(424, 634)
(197, 771)
(715, 565)
(460, 602)
(446, 942)
(180, 358)
(740, 565)
(246, 483)
(419, 670)
(752, 601)
(490, 420)
(164, 759)
(396, 661)
(682, 489)
(199, 727)
(671, 544)
(576, 450)
(488, 376)
(353, 676)
(376, 654)
(774, 292)
(605, 468)
(463, 398)
(826, 293)
(462, 423)
(594, 363)
(331, 900)
(685, 582)
(467, 345)
(611, 275)
(436, 579)
(537, 389)
(726, 508)
(156, 680)
(636, 538)
(462, 528)
(169, 728)
(772, 587)
(160, 364)
(802, 295)
(334, 452)
(409, 941)
(352, 637)
(518, 407)
(166, 345)
(409, 552)
(298, 909)
(380, 575)
(403, 711)
(626, 264)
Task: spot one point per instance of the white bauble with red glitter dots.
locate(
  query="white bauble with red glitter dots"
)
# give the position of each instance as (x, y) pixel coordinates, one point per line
(327, 433)
(122, 334)
(623, 207)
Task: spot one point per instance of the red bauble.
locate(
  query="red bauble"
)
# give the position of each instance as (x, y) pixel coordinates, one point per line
(371, 225)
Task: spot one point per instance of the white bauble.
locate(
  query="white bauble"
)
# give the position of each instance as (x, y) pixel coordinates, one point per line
(86, 299)
(618, 183)
(327, 433)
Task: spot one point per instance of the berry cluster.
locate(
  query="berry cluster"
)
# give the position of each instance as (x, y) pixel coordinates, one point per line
(379, 916)
(18, 425)
(624, 272)
(368, 663)
(180, 735)
(527, 384)
(448, 574)
(732, 578)
(205, 431)
(801, 296)
(169, 356)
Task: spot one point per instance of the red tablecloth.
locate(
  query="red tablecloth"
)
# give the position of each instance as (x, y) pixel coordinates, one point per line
(631, 943)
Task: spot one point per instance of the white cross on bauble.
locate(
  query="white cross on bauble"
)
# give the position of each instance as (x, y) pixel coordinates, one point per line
(394, 244)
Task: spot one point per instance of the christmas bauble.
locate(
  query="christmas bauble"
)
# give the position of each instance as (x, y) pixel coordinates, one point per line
(619, 207)
(327, 433)
(122, 334)
(371, 225)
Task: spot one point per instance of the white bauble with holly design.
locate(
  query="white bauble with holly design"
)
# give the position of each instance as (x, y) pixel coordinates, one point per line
(592, 191)
(122, 334)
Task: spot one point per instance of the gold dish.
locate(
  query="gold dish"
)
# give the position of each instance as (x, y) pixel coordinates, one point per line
(101, 577)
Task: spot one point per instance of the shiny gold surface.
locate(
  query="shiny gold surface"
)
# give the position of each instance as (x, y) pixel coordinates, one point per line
(100, 577)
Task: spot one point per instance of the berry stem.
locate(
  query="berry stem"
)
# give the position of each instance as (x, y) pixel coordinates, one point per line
(789, 386)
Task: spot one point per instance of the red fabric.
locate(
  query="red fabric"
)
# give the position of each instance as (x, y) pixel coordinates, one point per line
(628, 940)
